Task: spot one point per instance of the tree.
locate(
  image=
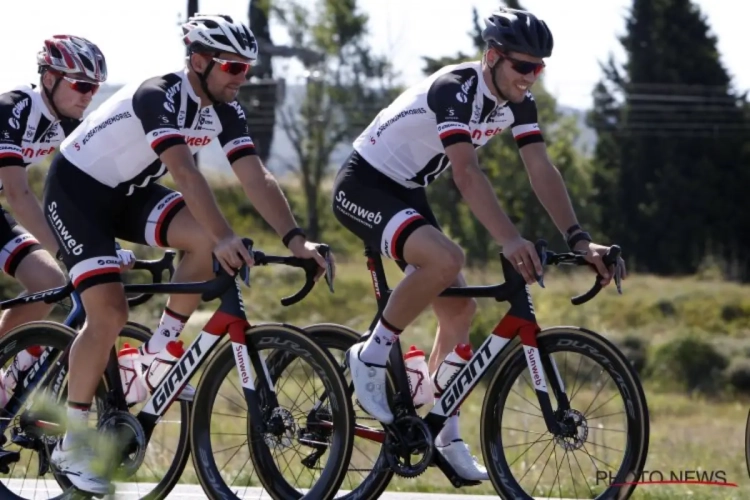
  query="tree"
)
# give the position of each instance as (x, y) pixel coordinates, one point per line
(503, 166)
(671, 156)
(344, 90)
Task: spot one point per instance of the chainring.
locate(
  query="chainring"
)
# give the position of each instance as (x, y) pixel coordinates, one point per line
(406, 438)
(130, 438)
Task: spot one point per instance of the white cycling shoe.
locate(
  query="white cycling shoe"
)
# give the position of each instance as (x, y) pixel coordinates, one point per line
(369, 385)
(76, 464)
(466, 465)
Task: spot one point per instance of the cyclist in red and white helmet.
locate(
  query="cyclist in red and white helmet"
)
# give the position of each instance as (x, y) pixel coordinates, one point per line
(34, 120)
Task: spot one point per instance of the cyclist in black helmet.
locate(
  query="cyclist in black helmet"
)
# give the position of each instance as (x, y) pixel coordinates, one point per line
(379, 195)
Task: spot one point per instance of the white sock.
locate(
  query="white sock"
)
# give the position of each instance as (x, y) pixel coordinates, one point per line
(170, 327)
(78, 420)
(378, 346)
(449, 433)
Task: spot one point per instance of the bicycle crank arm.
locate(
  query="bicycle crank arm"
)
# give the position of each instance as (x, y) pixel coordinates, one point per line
(6, 459)
(446, 468)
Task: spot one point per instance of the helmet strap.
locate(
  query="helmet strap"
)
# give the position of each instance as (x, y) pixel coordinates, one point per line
(50, 93)
(494, 81)
(203, 78)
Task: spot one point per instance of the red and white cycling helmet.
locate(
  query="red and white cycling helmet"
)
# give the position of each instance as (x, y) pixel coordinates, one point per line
(74, 56)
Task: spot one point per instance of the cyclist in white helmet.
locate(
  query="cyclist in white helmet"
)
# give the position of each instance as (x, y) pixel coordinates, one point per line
(103, 186)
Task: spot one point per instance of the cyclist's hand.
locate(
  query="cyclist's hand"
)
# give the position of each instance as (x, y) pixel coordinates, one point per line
(308, 250)
(231, 253)
(522, 254)
(127, 259)
(594, 254)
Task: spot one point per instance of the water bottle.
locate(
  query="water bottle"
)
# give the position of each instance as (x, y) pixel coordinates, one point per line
(163, 362)
(9, 378)
(419, 376)
(451, 365)
(131, 374)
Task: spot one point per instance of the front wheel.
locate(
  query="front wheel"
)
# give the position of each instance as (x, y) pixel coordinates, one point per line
(605, 442)
(294, 448)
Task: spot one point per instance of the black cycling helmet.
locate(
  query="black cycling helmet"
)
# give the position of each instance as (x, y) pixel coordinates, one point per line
(518, 31)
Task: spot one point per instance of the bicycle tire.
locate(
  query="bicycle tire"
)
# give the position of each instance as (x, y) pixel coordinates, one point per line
(565, 339)
(53, 334)
(747, 443)
(182, 452)
(45, 333)
(283, 338)
(339, 337)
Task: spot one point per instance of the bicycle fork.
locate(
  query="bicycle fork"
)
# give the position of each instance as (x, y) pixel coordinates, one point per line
(541, 365)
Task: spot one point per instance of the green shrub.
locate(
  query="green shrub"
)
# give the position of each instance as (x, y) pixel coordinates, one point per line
(687, 363)
(738, 375)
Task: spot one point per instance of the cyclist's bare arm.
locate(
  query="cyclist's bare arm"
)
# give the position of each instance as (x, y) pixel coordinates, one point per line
(548, 184)
(26, 207)
(478, 193)
(264, 192)
(196, 191)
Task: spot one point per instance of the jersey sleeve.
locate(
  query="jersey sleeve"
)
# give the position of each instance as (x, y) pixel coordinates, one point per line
(450, 97)
(15, 108)
(235, 136)
(156, 103)
(525, 127)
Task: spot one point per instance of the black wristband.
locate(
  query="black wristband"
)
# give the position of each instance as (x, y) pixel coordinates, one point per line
(297, 231)
(571, 229)
(578, 237)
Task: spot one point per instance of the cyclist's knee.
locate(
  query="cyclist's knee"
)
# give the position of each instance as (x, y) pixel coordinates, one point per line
(447, 261)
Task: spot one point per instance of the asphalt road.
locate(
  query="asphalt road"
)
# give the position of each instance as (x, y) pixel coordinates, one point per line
(46, 489)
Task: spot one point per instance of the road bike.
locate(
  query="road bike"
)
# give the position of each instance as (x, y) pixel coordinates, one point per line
(526, 365)
(248, 346)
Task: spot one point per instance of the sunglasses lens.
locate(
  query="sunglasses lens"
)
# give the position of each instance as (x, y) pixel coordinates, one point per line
(235, 68)
(85, 87)
(524, 67)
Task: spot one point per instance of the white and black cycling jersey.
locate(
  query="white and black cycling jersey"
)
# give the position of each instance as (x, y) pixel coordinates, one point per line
(118, 143)
(29, 132)
(406, 141)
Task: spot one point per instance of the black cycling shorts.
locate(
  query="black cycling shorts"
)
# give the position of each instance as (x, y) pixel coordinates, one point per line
(15, 243)
(380, 211)
(86, 216)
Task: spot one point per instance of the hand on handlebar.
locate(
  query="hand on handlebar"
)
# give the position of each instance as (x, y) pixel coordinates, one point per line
(523, 255)
(308, 250)
(231, 252)
(127, 258)
(594, 254)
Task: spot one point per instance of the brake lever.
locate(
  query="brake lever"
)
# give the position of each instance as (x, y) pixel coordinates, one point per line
(541, 249)
(618, 274)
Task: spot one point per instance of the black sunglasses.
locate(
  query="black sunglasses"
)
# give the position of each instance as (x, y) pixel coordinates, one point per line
(524, 67)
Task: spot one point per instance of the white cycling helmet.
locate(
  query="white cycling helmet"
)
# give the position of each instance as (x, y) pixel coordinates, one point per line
(219, 33)
(73, 55)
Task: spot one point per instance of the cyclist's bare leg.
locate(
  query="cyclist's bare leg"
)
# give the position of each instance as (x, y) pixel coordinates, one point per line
(184, 233)
(454, 315)
(106, 315)
(437, 262)
(36, 272)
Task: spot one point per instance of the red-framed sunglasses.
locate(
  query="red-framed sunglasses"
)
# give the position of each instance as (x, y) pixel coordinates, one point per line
(524, 67)
(80, 86)
(232, 67)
